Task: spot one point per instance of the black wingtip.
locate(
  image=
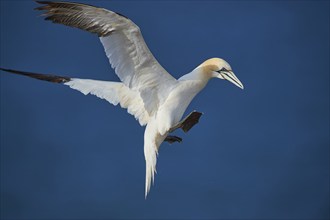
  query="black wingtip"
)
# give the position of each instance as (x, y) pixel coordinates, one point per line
(42, 2)
(44, 77)
(43, 5)
(121, 15)
(3, 69)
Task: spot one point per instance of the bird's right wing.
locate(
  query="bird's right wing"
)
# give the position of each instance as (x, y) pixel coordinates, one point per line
(124, 45)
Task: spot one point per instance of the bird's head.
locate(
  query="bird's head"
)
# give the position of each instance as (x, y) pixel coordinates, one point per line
(219, 68)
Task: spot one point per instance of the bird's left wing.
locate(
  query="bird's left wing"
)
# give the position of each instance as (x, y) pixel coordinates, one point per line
(114, 92)
(124, 45)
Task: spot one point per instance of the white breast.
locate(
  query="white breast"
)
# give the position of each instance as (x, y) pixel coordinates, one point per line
(172, 110)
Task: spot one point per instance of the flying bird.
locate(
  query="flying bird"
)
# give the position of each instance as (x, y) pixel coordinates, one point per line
(154, 97)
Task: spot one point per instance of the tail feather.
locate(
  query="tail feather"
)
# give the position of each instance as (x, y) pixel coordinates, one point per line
(150, 154)
(152, 140)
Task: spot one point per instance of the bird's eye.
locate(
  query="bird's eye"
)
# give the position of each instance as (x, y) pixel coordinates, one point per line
(223, 69)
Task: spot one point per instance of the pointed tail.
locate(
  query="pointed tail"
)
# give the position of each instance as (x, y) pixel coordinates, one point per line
(150, 154)
(152, 140)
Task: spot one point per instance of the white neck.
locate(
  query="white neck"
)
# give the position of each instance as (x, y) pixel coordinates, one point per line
(197, 74)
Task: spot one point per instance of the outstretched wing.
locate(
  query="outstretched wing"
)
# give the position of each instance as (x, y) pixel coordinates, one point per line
(114, 92)
(124, 45)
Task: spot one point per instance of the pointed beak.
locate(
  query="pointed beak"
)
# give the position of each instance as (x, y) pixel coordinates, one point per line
(230, 76)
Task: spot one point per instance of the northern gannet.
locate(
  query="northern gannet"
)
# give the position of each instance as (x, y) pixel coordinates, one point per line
(148, 92)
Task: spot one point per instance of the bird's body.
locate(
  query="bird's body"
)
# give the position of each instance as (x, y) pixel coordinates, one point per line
(168, 114)
(154, 97)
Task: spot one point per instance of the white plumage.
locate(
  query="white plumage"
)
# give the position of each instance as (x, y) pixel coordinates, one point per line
(115, 93)
(147, 91)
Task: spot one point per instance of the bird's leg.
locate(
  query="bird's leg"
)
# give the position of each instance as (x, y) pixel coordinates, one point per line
(171, 139)
(188, 122)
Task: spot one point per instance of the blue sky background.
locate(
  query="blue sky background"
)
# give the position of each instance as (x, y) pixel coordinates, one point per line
(258, 153)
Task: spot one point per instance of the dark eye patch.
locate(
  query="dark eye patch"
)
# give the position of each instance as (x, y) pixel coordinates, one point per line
(223, 69)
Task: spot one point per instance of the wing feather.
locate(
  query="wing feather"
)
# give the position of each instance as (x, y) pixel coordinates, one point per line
(115, 93)
(124, 46)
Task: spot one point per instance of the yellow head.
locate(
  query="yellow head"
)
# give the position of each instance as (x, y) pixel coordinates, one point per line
(219, 68)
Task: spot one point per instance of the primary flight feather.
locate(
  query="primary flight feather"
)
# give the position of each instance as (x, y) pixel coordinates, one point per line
(148, 92)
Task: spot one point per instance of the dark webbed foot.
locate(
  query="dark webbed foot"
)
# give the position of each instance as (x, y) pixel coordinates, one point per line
(171, 139)
(188, 122)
